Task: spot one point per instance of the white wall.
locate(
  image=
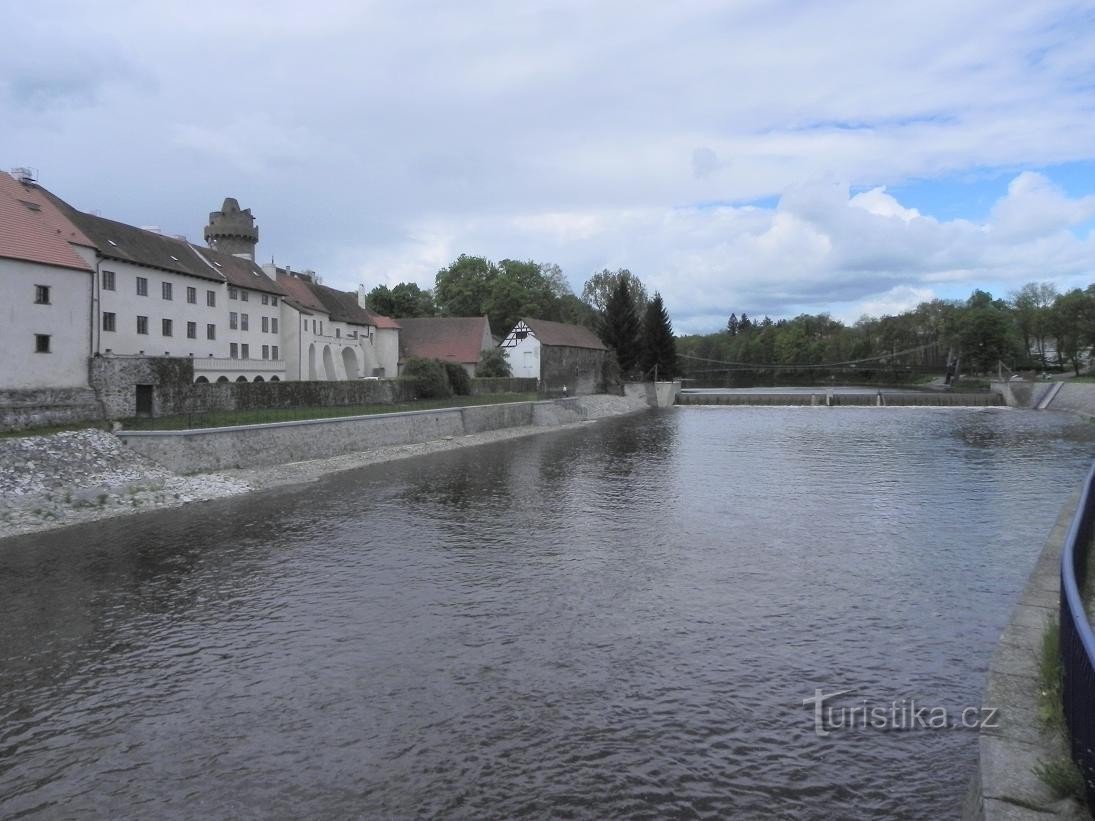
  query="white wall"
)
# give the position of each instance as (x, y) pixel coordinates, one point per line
(66, 319)
(250, 303)
(523, 354)
(126, 305)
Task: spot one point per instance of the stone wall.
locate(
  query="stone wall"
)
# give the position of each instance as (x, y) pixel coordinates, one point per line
(508, 384)
(21, 409)
(115, 379)
(245, 446)
(580, 369)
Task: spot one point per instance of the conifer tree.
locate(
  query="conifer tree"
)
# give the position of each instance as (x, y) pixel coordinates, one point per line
(620, 326)
(659, 345)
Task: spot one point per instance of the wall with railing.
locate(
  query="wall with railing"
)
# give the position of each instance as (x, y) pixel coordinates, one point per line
(1078, 640)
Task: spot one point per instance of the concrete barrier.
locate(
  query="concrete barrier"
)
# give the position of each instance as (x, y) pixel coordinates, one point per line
(247, 446)
(1075, 397)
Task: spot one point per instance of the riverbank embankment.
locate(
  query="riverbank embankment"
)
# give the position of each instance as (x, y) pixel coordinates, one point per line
(1010, 751)
(1071, 397)
(75, 477)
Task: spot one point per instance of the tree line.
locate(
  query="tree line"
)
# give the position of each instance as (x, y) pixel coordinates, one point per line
(1035, 328)
(614, 304)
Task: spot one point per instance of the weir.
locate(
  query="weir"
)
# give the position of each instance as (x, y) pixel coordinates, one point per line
(829, 399)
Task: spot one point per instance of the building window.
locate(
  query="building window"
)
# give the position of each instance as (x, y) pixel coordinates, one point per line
(265, 301)
(265, 325)
(108, 280)
(320, 328)
(142, 324)
(233, 350)
(142, 286)
(243, 298)
(166, 327)
(191, 330)
(233, 320)
(245, 353)
(274, 352)
(338, 333)
(210, 331)
(41, 343)
(165, 289)
(274, 326)
(233, 293)
(265, 351)
(211, 299)
(110, 321)
(274, 301)
(243, 324)
(41, 295)
(191, 295)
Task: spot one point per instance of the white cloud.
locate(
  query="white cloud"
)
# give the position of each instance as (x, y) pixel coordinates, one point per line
(380, 139)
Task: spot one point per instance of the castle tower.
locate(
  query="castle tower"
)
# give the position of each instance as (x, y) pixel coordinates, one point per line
(232, 231)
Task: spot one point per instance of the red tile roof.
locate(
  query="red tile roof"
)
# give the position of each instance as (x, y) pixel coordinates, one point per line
(563, 335)
(448, 338)
(32, 229)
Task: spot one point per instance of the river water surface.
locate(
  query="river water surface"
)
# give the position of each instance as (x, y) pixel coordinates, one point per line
(619, 620)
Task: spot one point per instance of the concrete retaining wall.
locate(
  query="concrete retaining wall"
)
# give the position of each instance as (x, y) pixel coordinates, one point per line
(1022, 394)
(1075, 397)
(245, 446)
(1005, 786)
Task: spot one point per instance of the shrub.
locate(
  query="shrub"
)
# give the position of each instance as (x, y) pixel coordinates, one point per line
(430, 379)
(493, 364)
(459, 380)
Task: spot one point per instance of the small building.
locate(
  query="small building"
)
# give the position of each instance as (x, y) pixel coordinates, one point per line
(556, 354)
(459, 339)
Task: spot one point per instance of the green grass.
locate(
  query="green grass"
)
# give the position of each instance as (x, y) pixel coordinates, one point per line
(216, 419)
(1063, 778)
(1050, 673)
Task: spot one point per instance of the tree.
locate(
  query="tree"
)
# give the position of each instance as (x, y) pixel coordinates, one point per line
(1073, 323)
(659, 347)
(984, 333)
(599, 288)
(620, 326)
(403, 300)
(493, 363)
(462, 289)
(732, 325)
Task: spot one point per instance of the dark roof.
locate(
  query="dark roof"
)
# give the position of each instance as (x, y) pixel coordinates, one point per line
(342, 305)
(448, 338)
(127, 243)
(239, 271)
(562, 335)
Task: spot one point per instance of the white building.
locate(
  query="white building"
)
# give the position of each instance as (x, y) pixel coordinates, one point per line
(557, 354)
(330, 334)
(45, 293)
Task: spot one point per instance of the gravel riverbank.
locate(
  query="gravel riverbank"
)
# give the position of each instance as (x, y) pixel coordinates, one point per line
(70, 478)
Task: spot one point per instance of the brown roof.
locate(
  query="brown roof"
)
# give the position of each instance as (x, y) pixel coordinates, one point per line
(562, 335)
(299, 293)
(342, 305)
(448, 338)
(32, 229)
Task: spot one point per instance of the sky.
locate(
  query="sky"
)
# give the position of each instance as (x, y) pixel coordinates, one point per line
(762, 157)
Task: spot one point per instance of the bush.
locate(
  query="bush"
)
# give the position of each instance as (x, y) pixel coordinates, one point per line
(493, 364)
(430, 379)
(459, 380)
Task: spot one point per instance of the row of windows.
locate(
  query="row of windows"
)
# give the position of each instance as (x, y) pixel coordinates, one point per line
(242, 296)
(240, 322)
(243, 351)
(167, 326)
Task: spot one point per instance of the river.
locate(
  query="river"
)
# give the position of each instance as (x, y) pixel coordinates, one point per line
(619, 620)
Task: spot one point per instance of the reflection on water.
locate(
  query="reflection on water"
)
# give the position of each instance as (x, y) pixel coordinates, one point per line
(618, 620)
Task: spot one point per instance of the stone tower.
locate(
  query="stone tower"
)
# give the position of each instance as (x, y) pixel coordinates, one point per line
(232, 231)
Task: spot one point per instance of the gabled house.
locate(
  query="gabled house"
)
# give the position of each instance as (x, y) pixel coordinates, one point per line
(557, 354)
(459, 339)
